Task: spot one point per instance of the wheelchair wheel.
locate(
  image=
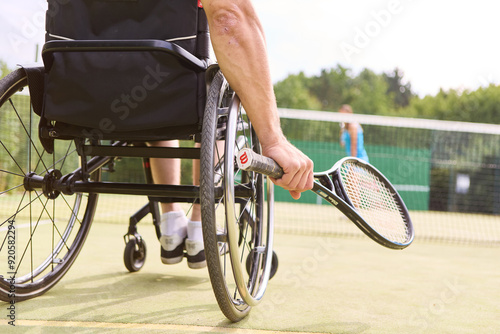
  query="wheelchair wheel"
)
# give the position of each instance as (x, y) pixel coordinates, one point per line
(41, 231)
(236, 208)
(134, 255)
(274, 265)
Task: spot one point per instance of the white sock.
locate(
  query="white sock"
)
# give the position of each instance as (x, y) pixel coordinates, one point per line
(174, 222)
(194, 230)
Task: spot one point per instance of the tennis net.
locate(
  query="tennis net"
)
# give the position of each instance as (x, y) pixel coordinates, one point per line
(448, 173)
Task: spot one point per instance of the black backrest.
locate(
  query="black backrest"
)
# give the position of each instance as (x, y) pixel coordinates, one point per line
(123, 91)
(179, 21)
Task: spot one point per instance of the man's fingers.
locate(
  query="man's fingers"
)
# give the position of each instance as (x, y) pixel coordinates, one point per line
(295, 194)
(297, 168)
(295, 184)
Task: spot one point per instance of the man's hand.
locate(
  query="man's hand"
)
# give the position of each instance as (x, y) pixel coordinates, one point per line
(297, 167)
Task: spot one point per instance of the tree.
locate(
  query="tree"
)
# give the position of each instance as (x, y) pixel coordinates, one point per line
(4, 69)
(481, 105)
(293, 92)
(401, 93)
(332, 87)
(385, 94)
(368, 94)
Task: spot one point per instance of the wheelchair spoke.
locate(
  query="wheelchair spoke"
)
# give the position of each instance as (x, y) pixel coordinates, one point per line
(244, 242)
(65, 156)
(27, 133)
(38, 163)
(18, 209)
(13, 188)
(11, 173)
(30, 241)
(53, 221)
(73, 213)
(13, 159)
(8, 220)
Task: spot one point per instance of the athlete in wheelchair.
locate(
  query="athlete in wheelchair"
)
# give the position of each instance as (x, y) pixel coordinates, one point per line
(116, 76)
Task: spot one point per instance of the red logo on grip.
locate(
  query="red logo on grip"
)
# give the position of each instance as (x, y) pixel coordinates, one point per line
(244, 158)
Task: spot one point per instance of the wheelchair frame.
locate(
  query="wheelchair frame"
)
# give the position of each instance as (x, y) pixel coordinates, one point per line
(243, 236)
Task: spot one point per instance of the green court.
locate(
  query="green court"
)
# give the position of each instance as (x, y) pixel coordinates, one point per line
(325, 284)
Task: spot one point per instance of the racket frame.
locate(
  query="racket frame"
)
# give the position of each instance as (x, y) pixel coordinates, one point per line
(328, 185)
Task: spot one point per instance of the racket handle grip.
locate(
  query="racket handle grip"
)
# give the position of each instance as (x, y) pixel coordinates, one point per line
(250, 161)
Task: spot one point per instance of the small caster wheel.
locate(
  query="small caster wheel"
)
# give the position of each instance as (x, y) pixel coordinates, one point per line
(274, 264)
(134, 255)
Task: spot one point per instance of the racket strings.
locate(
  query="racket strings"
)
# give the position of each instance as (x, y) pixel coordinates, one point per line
(375, 202)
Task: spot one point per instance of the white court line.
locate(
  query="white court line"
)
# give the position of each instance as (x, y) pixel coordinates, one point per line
(166, 327)
(41, 222)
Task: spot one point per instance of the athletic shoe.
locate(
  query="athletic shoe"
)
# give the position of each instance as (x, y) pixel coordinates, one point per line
(173, 229)
(172, 249)
(194, 246)
(195, 254)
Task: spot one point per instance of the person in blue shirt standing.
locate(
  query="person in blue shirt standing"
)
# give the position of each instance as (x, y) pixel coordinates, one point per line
(351, 137)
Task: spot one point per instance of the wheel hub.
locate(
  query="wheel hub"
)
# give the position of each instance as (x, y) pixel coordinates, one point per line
(33, 181)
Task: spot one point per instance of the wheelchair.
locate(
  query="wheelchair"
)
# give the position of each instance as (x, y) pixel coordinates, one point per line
(115, 76)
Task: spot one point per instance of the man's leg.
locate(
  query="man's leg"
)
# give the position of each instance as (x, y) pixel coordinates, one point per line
(173, 225)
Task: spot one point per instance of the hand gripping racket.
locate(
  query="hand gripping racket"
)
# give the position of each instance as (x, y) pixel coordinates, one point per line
(358, 190)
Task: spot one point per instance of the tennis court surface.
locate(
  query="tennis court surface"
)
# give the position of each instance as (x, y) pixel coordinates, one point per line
(323, 285)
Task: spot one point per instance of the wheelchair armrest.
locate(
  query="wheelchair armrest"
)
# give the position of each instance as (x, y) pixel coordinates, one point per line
(184, 56)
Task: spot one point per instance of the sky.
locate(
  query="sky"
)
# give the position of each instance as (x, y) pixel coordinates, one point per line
(440, 44)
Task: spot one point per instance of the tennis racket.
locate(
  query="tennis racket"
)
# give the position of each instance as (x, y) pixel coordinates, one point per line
(358, 190)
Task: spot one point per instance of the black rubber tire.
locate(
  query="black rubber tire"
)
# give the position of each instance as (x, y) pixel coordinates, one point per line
(226, 256)
(134, 255)
(274, 265)
(217, 277)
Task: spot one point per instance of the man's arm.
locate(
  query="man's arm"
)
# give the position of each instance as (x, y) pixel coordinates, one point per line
(240, 47)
